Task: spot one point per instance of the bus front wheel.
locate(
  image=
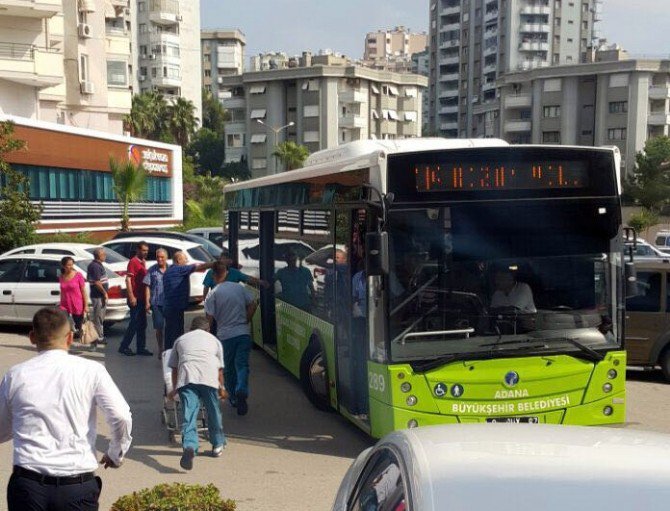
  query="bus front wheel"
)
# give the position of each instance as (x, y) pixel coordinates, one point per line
(314, 376)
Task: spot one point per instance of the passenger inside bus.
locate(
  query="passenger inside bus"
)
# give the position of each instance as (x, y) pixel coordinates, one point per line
(297, 283)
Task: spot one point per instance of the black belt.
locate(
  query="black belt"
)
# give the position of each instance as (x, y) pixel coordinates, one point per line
(52, 480)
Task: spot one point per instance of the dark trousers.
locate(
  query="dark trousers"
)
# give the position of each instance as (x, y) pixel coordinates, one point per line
(174, 325)
(137, 325)
(24, 494)
(236, 364)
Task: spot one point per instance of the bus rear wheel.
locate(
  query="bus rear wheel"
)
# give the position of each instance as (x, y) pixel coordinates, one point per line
(314, 376)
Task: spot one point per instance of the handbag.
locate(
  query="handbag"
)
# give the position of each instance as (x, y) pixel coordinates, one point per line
(88, 332)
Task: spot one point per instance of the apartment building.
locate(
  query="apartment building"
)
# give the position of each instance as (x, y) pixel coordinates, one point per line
(474, 42)
(392, 50)
(323, 102)
(222, 55)
(66, 62)
(421, 66)
(621, 103)
(168, 49)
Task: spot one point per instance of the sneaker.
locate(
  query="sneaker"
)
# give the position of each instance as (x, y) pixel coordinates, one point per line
(242, 407)
(145, 353)
(186, 461)
(127, 351)
(218, 451)
(102, 341)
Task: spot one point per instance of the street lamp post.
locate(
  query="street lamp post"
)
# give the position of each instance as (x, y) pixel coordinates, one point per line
(275, 133)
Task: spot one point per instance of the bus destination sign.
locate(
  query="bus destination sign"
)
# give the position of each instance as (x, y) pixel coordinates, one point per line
(510, 175)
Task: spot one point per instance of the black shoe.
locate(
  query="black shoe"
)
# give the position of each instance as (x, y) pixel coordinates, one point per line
(242, 407)
(127, 351)
(186, 461)
(145, 353)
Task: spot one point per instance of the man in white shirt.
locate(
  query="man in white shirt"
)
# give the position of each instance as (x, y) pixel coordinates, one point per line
(48, 408)
(197, 375)
(510, 293)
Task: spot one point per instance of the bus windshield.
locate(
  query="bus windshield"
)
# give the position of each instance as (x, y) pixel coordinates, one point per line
(491, 279)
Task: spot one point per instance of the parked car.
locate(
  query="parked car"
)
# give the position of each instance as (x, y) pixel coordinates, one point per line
(510, 467)
(29, 282)
(662, 241)
(647, 333)
(250, 250)
(217, 236)
(115, 261)
(194, 252)
(645, 251)
(213, 249)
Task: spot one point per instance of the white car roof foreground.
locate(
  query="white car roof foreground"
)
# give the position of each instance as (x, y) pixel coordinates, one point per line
(71, 246)
(531, 467)
(168, 242)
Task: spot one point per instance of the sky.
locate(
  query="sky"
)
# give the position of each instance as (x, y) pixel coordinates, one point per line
(640, 26)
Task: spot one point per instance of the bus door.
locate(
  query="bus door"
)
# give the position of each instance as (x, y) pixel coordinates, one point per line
(266, 271)
(350, 323)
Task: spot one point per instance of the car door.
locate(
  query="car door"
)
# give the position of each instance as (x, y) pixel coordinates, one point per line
(645, 316)
(382, 485)
(10, 274)
(39, 287)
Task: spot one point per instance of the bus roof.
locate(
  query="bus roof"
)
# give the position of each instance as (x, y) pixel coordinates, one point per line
(361, 154)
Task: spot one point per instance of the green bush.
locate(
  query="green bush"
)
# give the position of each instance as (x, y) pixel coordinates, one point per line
(64, 237)
(175, 497)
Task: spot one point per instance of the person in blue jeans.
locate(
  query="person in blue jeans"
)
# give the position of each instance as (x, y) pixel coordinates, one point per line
(176, 295)
(197, 375)
(232, 307)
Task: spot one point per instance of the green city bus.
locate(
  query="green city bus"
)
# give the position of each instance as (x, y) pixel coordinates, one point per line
(428, 281)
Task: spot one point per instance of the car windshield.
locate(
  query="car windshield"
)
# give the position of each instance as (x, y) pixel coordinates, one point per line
(200, 254)
(459, 286)
(112, 255)
(211, 248)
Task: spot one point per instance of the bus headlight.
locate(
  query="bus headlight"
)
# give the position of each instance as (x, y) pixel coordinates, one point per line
(607, 411)
(607, 387)
(412, 423)
(406, 387)
(611, 374)
(411, 400)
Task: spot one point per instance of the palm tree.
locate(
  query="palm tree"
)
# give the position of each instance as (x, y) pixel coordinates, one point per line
(148, 116)
(291, 155)
(129, 184)
(182, 120)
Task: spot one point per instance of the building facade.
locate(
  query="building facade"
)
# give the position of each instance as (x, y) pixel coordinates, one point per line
(67, 62)
(392, 50)
(222, 55)
(322, 103)
(474, 42)
(621, 103)
(168, 49)
(69, 175)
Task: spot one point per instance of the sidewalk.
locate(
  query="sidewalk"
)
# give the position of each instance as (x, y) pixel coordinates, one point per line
(283, 454)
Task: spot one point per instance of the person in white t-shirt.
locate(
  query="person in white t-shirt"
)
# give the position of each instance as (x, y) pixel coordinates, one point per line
(510, 293)
(196, 360)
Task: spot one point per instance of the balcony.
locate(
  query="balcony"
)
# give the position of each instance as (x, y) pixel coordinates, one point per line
(490, 50)
(534, 46)
(449, 27)
(532, 64)
(450, 77)
(449, 93)
(408, 104)
(409, 129)
(490, 16)
(490, 85)
(389, 127)
(234, 103)
(352, 96)
(490, 68)
(167, 81)
(28, 65)
(351, 121)
(659, 92)
(450, 10)
(164, 12)
(452, 109)
(534, 28)
(491, 32)
(450, 43)
(31, 8)
(517, 126)
(448, 61)
(536, 10)
(117, 43)
(447, 126)
(518, 101)
(658, 119)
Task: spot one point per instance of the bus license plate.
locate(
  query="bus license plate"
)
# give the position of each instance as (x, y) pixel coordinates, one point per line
(514, 420)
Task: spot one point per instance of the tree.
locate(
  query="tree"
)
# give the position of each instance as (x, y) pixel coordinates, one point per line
(291, 155)
(207, 209)
(18, 215)
(182, 121)
(129, 184)
(148, 116)
(214, 116)
(208, 150)
(649, 186)
(643, 220)
(236, 171)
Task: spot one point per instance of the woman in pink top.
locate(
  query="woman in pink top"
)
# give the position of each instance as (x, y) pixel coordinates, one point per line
(73, 297)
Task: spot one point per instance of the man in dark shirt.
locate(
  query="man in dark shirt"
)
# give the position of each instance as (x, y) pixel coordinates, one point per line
(137, 324)
(176, 294)
(97, 279)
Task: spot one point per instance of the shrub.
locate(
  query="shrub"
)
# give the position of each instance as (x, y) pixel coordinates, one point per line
(173, 497)
(64, 237)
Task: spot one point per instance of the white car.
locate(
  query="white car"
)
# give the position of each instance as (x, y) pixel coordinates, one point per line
(194, 252)
(249, 254)
(510, 467)
(213, 234)
(115, 261)
(29, 282)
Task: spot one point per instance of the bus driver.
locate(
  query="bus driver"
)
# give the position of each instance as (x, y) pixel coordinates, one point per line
(510, 293)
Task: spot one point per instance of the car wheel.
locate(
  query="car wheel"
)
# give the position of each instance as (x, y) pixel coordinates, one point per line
(314, 376)
(664, 362)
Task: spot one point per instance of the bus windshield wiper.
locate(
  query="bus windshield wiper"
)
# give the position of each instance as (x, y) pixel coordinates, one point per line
(422, 366)
(588, 353)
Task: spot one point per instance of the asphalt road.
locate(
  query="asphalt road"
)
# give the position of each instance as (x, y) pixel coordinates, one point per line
(283, 455)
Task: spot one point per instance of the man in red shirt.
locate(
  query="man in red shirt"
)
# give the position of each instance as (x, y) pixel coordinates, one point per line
(137, 324)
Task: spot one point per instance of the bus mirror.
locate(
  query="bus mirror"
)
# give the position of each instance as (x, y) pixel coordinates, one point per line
(631, 280)
(377, 253)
